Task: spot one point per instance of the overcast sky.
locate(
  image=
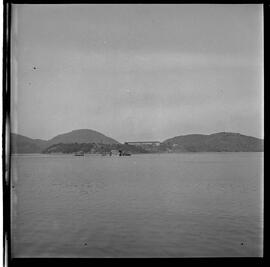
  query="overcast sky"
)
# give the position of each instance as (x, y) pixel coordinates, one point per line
(137, 72)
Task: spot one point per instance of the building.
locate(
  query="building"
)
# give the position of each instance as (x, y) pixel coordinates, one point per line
(115, 152)
(145, 143)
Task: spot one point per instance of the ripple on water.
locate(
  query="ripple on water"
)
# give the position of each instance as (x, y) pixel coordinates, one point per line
(162, 206)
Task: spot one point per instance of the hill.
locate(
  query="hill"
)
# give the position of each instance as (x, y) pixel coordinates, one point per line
(81, 136)
(21, 144)
(218, 142)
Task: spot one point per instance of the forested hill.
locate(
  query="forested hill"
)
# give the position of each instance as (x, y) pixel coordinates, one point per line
(81, 136)
(23, 144)
(231, 142)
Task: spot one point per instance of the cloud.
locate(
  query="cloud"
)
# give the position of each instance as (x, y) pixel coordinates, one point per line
(137, 71)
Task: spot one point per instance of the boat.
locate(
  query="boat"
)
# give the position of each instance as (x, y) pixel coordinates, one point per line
(79, 153)
(124, 153)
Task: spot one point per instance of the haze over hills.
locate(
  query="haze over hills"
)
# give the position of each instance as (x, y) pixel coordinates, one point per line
(218, 142)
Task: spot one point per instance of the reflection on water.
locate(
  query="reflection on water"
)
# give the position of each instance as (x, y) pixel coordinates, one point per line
(161, 205)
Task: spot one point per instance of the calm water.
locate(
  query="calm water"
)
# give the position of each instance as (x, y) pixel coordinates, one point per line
(167, 205)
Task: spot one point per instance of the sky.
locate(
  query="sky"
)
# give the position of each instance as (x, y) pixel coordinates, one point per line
(137, 72)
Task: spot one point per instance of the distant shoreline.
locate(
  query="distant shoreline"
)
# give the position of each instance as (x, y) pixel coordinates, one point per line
(164, 153)
(90, 141)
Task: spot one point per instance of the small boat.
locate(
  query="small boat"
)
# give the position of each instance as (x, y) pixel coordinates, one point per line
(124, 153)
(80, 153)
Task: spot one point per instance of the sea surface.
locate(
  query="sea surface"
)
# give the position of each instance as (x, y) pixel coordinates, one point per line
(148, 205)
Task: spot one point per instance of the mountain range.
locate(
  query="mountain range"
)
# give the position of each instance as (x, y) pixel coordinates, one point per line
(218, 142)
(21, 144)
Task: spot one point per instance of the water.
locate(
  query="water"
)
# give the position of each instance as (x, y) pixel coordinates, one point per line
(160, 205)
